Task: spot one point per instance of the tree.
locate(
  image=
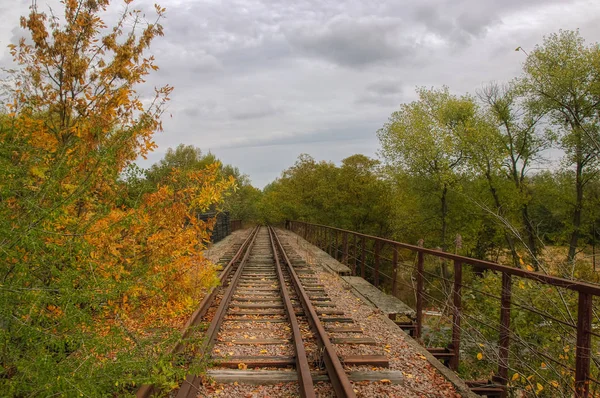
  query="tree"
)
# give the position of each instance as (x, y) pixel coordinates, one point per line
(364, 195)
(560, 77)
(502, 146)
(423, 138)
(93, 290)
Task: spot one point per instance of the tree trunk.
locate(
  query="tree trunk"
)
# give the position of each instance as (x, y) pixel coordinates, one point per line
(507, 236)
(577, 211)
(444, 208)
(530, 231)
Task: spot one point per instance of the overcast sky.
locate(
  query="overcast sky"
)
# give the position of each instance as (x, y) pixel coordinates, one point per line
(260, 82)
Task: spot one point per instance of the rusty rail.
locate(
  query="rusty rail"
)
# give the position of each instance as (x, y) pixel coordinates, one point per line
(193, 381)
(339, 380)
(305, 381)
(367, 246)
(147, 390)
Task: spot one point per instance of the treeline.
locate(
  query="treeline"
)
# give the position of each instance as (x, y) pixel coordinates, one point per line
(501, 173)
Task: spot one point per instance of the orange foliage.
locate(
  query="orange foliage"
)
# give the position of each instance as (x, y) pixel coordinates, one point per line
(89, 266)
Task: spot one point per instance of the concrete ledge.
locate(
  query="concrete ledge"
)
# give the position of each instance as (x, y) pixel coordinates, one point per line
(388, 304)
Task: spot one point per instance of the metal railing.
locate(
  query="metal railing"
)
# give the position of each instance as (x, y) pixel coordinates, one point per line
(234, 225)
(383, 263)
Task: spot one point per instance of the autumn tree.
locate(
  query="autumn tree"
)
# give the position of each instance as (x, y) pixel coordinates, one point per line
(93, 290)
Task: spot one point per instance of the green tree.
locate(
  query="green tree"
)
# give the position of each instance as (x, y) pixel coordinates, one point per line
(423, 139)
(561, 78)
(521, 145)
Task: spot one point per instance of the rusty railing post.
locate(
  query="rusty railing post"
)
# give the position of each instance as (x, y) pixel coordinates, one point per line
(322, 238)
(331, 232)
(419, 314)
(337, 247)
(584, 340)
(395, 272)
(504, 342)
(377, 248)
(345, 255)
(456, 298)
(354, 254)
(363, 257)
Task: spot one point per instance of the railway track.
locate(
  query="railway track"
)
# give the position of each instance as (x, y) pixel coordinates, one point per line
(272, 321)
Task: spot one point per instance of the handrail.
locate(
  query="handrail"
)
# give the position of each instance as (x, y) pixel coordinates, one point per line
(327, 238)
(578, 286)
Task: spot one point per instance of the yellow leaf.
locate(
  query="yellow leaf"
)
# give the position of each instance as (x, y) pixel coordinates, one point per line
(479, 356)
(242, 366)
(529, 268)
(515, 377)
(539, 387)
(39, 172)
(385, 381)
(263, 351)
(543, 366)
(554, 383)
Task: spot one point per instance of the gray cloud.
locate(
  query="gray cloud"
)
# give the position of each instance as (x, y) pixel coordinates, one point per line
(353, 42)
(358, 132)
(253, 108)
(385, 87)
(381, 93)
(260, 81)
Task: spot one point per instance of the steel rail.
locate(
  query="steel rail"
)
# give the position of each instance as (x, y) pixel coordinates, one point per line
(146, 390)
(305, 381)
(337, 375)
(192, 382)
(209, 298)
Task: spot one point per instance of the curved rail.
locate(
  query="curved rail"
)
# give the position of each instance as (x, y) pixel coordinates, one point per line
(339, 380)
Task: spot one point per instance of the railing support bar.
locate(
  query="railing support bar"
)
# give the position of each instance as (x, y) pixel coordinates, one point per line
(504, 342)
(419, 314)
(456, 298)
(584, 340)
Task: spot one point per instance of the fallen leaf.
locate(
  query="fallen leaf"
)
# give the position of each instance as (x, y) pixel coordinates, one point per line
(385, 381)
(242, 366)
(479, 356)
